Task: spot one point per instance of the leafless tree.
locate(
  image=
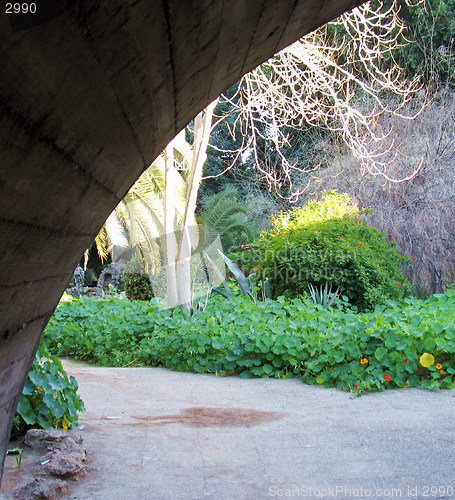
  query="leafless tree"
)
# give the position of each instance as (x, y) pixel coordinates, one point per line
(339, 83)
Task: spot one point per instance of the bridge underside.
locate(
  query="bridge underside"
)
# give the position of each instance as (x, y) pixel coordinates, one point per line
(90, 93)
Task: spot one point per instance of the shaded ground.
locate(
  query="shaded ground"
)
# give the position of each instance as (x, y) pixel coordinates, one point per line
(156, 434)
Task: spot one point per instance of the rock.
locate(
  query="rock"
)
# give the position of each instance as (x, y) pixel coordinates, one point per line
(66, 457)
(73, 291)
(78, 277)
(51, 439)
(93, 291)
(55, 456)
(111, 274)
(40, 488)
(66, 465)
(78, 281)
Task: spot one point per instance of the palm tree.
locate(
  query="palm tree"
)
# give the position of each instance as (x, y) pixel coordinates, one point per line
(157, 216)
(224, 212)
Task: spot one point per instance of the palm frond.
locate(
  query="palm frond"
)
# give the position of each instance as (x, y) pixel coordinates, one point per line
(224, 212)
(102, 244)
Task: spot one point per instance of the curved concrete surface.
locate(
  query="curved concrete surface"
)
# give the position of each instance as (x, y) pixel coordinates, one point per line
(90, 93)
(155, 434)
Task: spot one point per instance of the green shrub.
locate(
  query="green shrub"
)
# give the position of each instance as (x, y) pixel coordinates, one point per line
(49, 398)
(136, 282)
(274, 338)
(328, 242)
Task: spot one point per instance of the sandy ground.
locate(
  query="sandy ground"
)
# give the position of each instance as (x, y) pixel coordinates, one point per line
(153, 433)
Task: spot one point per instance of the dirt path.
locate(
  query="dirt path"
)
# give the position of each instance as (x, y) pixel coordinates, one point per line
(156, 434)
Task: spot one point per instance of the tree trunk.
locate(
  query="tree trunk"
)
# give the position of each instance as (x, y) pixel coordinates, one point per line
(189, 234)
(169, 237)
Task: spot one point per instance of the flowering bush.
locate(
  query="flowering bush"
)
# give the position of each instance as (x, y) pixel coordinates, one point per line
(328, 241)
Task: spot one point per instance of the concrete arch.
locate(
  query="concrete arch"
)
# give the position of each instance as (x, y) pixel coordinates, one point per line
(90, 92)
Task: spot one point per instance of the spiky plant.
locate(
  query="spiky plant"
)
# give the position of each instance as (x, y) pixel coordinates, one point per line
(324, 296)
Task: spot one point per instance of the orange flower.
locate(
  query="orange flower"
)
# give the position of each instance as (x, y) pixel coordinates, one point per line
(442, 372)
(340, 237)
(439, 366)
(255, 267)
(399, 283)
(355, 386)
(363, 361)
(413, 257)
(40, 388)
(356, 222)
(405, 361)
(393, 238)
(387, 377)
(361, 243)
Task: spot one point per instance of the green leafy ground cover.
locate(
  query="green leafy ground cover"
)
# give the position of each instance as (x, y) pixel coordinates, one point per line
(49, 398)
(400, 344)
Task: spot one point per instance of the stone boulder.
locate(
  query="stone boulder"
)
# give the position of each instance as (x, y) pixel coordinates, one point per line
(78, 280)
(65, 456)
(40, 489)
(111, 274)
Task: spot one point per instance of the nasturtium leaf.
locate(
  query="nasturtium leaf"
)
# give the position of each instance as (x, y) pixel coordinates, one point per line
(25, 410)
(29, 388)
(38, 378)
(58, 383)
(380, 352)
(429, 344)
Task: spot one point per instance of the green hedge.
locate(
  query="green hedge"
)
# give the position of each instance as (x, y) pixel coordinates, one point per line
(275, 338)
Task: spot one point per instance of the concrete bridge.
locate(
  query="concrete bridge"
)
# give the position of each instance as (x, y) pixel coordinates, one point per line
(90, 92)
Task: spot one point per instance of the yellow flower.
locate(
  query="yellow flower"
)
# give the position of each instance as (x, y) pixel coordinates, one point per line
(439, 366)
(364, 361)
(426, 360)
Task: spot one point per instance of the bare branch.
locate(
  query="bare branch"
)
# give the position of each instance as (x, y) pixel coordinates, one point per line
(342, 86)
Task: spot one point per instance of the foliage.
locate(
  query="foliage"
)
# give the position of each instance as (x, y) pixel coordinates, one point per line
(248, 286)
(18, 454)
(324, 295)
(224, 212)
(333, 347)
(223, 149)
(247, 260)
(49, 398)
(136, 282)
(430, 25)
(327, 241)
